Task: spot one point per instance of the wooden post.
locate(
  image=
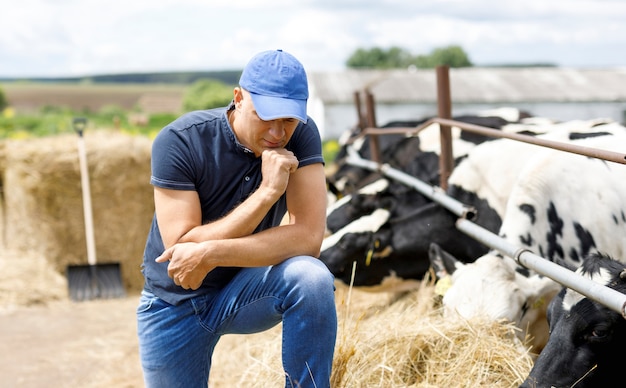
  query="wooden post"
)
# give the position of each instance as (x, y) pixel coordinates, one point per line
(371, 123)
(444, 104)
(359, 112)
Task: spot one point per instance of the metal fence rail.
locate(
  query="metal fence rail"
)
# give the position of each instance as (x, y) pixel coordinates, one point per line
(607, 296)
(367, 124)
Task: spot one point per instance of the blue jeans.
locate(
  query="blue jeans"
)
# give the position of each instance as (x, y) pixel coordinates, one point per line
(176, 342)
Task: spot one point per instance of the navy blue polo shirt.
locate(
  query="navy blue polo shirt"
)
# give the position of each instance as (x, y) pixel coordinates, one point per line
(199, 151)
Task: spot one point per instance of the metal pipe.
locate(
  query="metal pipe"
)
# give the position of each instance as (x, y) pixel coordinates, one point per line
(610, 156)
(436, 194)
(573, 148)
(602, 294)
(609, 297)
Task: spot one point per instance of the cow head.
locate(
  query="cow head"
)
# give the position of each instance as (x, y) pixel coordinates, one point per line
(586, 338)
(380, 247)
(396, 197)
(492, 288)
(400, 244)
(353, 206)
(353, 243)
(347, 178)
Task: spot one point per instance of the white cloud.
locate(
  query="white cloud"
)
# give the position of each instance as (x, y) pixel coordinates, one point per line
(73, 37)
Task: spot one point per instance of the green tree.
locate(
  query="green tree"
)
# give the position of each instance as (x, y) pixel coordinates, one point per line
(453, 56)
(377, 58)
(207, 94)
(397, 58)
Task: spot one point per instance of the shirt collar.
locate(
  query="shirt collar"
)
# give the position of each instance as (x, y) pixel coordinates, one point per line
(231, 132)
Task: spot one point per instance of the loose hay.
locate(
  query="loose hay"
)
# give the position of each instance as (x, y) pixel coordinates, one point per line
(390, 340)
(27, 280)
(409, 343)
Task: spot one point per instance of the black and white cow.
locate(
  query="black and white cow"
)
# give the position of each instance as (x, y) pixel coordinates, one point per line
(586, 338)
(418, 156)
(562, 207)
(368, 240)
(387, 194)
(346, 178)
(348, 182)
(400, 246)
(398, 150)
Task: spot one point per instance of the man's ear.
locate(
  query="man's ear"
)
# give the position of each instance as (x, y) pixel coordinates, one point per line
(237, 96)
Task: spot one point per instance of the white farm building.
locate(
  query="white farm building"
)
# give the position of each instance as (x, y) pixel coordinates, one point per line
(553, 92)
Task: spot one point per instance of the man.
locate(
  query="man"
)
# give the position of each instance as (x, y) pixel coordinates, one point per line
(218, 260)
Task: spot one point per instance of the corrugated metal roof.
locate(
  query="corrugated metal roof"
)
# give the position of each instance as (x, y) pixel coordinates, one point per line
(475, 85)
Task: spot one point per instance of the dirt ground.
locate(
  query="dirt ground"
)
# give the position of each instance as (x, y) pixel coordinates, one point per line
(87, 344)
(65, 344)
(49, 341)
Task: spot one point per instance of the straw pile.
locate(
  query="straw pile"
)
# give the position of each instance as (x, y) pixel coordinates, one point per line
(43, 205)
(391, 340)
(410, 344)
(28, 280)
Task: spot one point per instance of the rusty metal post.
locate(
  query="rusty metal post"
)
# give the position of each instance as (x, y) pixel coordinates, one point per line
(444, 104)
(371, 123)
(359, 111)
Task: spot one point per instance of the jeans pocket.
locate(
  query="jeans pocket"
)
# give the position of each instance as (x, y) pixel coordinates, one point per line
(145, 302)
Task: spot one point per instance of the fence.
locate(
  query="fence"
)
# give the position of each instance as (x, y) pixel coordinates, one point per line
(367, 127)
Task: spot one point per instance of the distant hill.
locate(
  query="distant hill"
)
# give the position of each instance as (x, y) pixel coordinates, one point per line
(229, 77)
(31, 97)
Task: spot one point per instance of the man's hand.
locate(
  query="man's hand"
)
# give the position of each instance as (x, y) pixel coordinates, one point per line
(187, 266)
(276, 166)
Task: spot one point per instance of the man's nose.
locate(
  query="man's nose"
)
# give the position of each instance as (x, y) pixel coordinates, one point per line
(277, 129)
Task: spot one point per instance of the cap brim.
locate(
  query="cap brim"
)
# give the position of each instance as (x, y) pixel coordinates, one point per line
(272, 108)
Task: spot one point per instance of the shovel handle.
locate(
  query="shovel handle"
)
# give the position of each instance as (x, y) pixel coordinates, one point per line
(79, 124)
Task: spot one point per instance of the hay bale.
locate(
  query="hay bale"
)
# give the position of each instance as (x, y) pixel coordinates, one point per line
(27, 280)
(44, 206)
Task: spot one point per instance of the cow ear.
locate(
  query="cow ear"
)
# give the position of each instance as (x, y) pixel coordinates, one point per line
(565, 264)
(387, 203)
(539, 290)
(442, 262)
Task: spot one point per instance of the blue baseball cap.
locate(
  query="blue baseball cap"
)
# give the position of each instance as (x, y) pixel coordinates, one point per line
(278, 85)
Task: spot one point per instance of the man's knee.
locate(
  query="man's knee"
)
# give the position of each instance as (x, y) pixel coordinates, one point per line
(309, 271)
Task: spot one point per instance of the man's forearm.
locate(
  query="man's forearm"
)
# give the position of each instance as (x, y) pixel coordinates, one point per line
(268, 247)
(241, 221)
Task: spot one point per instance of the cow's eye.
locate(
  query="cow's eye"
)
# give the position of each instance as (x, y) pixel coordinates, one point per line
(599, 333)
(343, 244)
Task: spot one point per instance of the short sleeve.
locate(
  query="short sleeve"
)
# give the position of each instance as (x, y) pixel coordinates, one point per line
(306, 144)
(171, 162)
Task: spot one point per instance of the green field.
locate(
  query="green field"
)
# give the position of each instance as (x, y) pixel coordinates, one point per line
(28, 97)
(39, 109)
(47, 108)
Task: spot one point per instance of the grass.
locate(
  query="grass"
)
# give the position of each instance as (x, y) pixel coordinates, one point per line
(46, 109)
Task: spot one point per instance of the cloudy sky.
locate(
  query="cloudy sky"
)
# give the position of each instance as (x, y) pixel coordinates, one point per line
(52, 38)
